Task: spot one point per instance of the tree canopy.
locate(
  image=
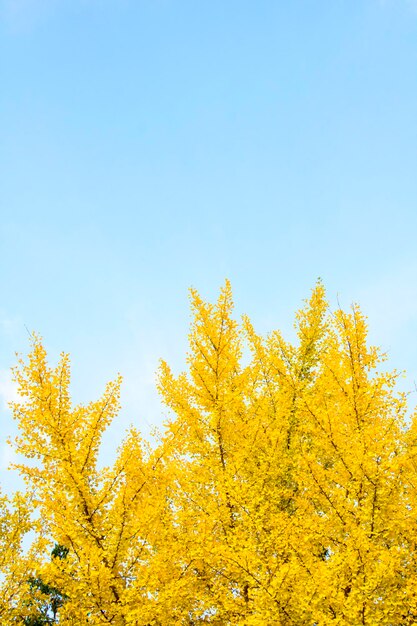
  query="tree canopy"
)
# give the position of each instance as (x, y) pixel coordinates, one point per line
(282, 490)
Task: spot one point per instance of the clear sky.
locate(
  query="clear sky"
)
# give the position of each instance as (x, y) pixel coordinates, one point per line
(147, 146)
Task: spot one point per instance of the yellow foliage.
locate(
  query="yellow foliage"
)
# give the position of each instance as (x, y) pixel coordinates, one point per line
(283, 490)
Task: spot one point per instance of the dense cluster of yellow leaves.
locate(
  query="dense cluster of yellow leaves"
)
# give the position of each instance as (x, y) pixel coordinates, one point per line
(282, 492)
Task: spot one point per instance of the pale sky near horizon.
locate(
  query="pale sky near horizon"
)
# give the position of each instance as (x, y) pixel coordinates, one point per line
(150, 146)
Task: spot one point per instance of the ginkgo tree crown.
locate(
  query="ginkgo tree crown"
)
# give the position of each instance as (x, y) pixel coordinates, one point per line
(282, 490)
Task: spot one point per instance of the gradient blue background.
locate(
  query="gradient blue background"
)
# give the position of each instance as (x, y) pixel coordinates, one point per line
(147, 146)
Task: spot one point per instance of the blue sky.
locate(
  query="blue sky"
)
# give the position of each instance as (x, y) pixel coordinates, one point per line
(147, 146)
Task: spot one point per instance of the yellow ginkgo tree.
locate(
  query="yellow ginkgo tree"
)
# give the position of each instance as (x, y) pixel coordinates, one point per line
(15, 561)
(292, 494)
(283, 490)
(114, 522)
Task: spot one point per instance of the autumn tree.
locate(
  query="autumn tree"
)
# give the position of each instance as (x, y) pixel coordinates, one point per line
(282, 491)
(114, 522)
(15, 562)
(292, 496)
